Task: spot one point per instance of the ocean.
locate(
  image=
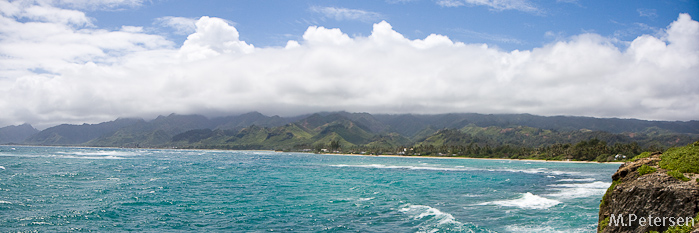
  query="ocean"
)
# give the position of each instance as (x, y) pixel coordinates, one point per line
(70, 189)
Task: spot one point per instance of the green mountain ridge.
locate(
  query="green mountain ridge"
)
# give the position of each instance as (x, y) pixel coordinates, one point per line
(467, 134)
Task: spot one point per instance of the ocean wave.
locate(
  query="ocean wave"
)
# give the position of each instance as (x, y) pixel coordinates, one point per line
(432, 218)
(577, 180)
(526, 201)
(541, 171)
(381, 166)
(460, 168)
(87, 157)
(519, 228)
(579, 190)
(593, 185)
(102, 153)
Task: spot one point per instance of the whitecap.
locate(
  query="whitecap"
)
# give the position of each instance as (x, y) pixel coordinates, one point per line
(531, 229)
(381, 166)
(579, 190)
(100, 153)
(593, 185)
(461, 168)
(87, 157)
(526, 201)
(2, 168)
(433, 217)
(577, 180)
(5, 202)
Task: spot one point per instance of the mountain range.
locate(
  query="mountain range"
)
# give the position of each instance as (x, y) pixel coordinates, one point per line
(346, 130)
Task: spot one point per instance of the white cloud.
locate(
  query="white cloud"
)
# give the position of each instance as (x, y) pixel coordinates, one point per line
(182, 25)
(346, 14)
(56, 72)
(650, 13)
(213, 37)
(43, 13)
(521, 5)
(94, 5)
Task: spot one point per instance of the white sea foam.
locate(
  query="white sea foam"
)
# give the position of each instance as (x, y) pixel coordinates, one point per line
(99, 153)
(519, 228)
(381, 166)
(577, 180)
(579, 190)
(5, 202)
(437, 217)
(87, 157)
(2, 168)
(526, 201)
(593, 185)
(541, 171)
(460, 168)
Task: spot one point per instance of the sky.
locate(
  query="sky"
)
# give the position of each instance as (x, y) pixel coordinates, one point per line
(85, 61)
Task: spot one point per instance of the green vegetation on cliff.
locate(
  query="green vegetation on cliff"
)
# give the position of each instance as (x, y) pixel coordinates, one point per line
(645, 169)
(683, 159)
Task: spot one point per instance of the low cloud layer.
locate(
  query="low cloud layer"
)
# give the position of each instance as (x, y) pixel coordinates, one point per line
(55, 67)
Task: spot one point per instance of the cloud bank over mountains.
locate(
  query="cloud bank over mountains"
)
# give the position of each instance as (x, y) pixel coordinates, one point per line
(57, 67)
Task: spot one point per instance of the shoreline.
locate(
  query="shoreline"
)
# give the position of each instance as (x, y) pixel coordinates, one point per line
(341, 154)
(456, 157)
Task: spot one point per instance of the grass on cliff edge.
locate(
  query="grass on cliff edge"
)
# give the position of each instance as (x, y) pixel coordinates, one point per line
(645, 169)
(683, 159)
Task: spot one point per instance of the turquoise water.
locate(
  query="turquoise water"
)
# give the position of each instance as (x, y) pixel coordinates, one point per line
(60, 189)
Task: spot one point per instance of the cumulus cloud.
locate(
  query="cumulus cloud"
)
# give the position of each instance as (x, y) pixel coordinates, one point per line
(213, 37)
(53, 71)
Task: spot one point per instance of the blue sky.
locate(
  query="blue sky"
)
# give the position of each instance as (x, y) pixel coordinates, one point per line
(83, 61)
(273, 23)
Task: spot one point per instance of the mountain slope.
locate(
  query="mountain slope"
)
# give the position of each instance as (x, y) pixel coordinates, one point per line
(362, 130)
(16, 134)
(78, 134)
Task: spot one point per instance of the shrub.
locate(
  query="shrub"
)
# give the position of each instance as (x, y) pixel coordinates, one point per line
(642, 155)
(603, 224)
(685, 228)
(683, 159)
(678, 175)
(645, 169)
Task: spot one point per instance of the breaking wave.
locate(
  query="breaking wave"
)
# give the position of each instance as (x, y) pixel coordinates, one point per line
(459, 168)
(381, 166)
(430, 219)
(526, 201)
(579, 190)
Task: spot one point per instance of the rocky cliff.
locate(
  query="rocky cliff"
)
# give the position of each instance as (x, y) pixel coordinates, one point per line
(655, 193)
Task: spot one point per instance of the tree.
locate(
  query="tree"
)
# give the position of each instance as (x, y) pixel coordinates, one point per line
(335, 145)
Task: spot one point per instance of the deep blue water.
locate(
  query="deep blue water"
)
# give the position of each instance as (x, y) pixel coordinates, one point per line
(62, 189)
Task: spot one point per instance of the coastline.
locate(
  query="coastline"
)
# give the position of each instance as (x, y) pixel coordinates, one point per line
(455, 157)
(340, 154)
